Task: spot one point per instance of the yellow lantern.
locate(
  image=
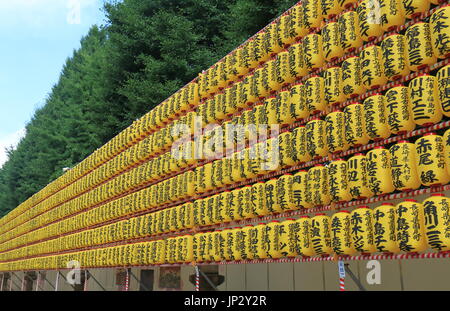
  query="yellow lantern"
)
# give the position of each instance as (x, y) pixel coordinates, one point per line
(443, 77)
(437, 221)
(341, 237)
(372, 67)
(217, 251)
(285, 112)
(289, 237)
(312, 14)
(355, 125)
(336, 140)
(272, 199)
(320, 234)
(350, 32)
(228, 241)
(284, 73)
(286, 150)
(240, 237)
(403, 164)
(379, 171)
(352, 83)
(358, 177)
(285, 193)
(384, 224)
(423, 92)
(287, 26)
(431, 166)
(187, 242)
(376, 119)
(270, 77)
(259, 199)
(313, 51)
(394, 52)
(332, 46)
(273, 233)
(439, 27)
(363, 230)
(315, 94)
(338, 181)
(414, 8)
(317, 185)
(304, 244)
(369, 19)
(420, 50)
(301, 153)
(297, 63)
(297, 100)
(392, 14)
(299, 189)
(399, 110)
(316, 138)
(334, 90)
(264, 241)
(330, 8)
(252, 243)
(256, 54)
(411, 234)
(246, 202)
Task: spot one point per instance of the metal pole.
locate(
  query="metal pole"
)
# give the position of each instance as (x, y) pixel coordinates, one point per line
(3, 280)
(354, 278)
(23, 282)
(208, 280)
(37, 281)
(140, 283)
(95, 280)
(402, 285)
(65, 279)
(45, 278)
(85, 280)
(57, 281)
(15, 284)
(12, 282)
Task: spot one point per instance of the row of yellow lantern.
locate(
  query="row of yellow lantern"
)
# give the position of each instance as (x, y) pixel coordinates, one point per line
(401, 53)
(377, 123)
(170, 190)
(124, 206)
(405, 166)
(351, 29)
(139, 129)
(409, 226)
(391, 46)
(316, 139)
(435, 18)
(372, 68)
(187, 95)
(130, 157)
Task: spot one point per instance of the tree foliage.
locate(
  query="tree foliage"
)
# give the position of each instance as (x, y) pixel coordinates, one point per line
(146, 51)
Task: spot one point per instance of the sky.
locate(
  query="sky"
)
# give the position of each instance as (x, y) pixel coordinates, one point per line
(37, 37)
